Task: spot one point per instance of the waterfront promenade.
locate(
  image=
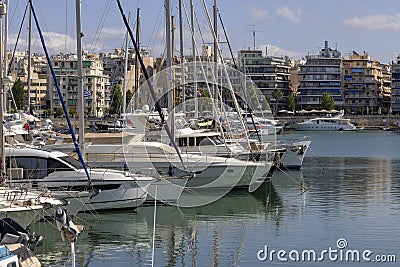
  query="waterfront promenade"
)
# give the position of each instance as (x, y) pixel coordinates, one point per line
(371, 122)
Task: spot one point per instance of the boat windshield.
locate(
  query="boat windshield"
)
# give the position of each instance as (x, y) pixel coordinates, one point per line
(72, 161)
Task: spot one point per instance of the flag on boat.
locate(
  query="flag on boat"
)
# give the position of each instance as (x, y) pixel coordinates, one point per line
(86, 94)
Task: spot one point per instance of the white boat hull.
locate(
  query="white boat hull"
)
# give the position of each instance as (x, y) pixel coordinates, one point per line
(322, 127)
(294, 155)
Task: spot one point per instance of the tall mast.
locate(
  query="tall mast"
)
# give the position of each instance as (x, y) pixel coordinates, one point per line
(2, 155)
(80, 78)
(215, 61)
(171, 115)
(182, 55)
(29, 57)
(125, 74)
(196, 105)
(215, 32)
(137, 65)
(5, 54)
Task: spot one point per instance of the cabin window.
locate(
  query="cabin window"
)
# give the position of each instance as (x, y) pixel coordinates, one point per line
(55, 165)
(12, 264)
(182, 141)
(34, 168)
(191, 141)
(72, 161)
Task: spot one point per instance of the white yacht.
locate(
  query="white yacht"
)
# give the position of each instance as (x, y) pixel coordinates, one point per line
(205, 171)
(292, 152)
(264, 126)
(56, 171)
(336, 123)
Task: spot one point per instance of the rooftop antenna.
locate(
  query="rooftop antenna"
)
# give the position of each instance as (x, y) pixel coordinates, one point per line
(254, 36)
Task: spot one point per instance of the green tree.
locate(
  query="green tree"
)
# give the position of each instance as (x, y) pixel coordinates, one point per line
(277, 94)
(327, 101)
(58, 111)
(19, 94)
(116, 101)
(291, 102)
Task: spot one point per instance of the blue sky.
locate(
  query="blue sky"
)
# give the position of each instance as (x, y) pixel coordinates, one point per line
(287, 27)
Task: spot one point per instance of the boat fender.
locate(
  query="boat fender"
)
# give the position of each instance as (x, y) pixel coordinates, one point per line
(171, 171)
(69, 231)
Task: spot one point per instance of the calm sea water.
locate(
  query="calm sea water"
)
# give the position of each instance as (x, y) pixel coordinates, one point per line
(345, 198)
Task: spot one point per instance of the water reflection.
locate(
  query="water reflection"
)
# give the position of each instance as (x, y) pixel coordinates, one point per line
(125, 237)
(356, 198)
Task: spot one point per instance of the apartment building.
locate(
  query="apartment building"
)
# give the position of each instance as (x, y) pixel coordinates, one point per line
(96, 84)
(366, 84)
(319, 74)
(267, 72)
(395, 86)
(114, 67)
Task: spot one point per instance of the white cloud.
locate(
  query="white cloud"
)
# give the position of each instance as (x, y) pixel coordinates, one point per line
(112, 33)
(376, 22)
(290, 14)
(257, 13)
(274, 50)
(55, 42)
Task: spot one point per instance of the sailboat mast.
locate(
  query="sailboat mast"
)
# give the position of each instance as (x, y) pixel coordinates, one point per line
(79, 76)
(125, 74)
(2, 140)
(215, 62)
(29, 56)
(171, 115)
(5, 54)
(137, 66)
(182, 55)
(196, 105)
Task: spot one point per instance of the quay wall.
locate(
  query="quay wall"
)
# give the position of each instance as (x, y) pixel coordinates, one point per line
(366, 121)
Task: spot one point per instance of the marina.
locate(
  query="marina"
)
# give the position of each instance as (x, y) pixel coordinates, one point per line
(159, 153)
(351, 181)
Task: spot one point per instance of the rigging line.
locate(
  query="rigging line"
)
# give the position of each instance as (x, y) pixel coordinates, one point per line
(201, 62)
(226, 37)
(152, 42)
(155, 24)
(16, 43)
(71, 128)
(204, 74)
(198, 26)
(238, 110)
(154, 228)
(150, 84)
(14, 11)
(99, 26)
(103, 18)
